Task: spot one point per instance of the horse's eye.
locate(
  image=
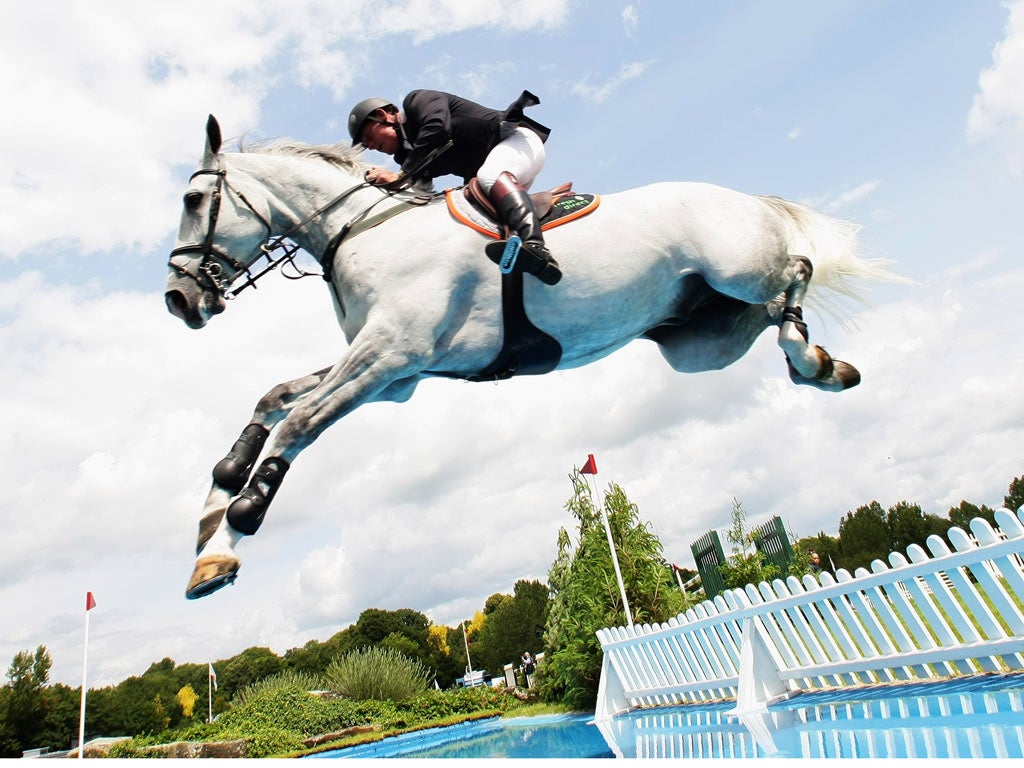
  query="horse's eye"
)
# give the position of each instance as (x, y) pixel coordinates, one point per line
(192, 200)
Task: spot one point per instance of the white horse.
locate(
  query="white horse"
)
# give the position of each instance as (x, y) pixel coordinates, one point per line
(699, 269)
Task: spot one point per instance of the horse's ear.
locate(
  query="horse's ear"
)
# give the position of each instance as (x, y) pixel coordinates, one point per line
(213, 138)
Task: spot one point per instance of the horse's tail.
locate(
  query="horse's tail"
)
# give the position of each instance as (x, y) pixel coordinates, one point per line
(833, 248)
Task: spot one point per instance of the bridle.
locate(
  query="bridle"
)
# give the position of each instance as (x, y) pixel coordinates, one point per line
(212, 273)
(218, 270)
(214, 270)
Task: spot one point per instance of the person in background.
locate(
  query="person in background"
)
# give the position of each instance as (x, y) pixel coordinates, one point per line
(529, 667)
(815, 562)
(504, 150)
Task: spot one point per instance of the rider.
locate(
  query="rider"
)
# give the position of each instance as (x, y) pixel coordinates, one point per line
(504, 150)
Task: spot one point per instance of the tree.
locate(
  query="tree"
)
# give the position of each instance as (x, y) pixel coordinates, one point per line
(863, 537)
(1014, 498)
(24, 706)
(907, 525)
(961, 515)
(187, 698)
(246, 668)
(494, 602)
(60, 717)
(437, 639)
(400, 643)
(586, 595)
(514, 625)
(375, 624)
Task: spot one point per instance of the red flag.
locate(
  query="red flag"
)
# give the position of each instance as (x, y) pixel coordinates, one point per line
(590, 468)
(90, 601)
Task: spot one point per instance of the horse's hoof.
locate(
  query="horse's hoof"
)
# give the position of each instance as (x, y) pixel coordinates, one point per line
(210, 574)
(847, 375)
(842, 376)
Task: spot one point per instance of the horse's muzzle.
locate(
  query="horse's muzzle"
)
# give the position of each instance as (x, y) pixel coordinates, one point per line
(178, 305)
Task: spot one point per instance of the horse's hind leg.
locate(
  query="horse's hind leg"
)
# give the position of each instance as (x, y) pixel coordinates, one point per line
(809, 364)
(717, 334)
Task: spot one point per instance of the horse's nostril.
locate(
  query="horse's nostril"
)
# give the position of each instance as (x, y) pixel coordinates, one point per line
(176, 304)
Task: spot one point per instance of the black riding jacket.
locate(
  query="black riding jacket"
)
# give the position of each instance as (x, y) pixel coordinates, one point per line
(431, 118)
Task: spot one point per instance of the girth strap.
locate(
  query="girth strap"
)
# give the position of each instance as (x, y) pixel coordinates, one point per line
(525, 349)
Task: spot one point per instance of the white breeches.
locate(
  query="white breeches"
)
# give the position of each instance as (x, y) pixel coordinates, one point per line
(521, 154)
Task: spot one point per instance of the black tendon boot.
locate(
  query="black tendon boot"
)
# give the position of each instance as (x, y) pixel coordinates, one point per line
(516, 209)
(246, 512)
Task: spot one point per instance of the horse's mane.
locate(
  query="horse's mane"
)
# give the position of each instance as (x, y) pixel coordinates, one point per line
(342, 154)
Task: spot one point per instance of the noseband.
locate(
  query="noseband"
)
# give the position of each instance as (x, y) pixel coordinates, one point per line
(211, 272)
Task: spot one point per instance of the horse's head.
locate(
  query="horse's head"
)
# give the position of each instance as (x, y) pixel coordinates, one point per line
(221, 234)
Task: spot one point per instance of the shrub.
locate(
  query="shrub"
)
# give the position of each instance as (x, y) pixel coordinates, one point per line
(288, 679)
(267, 741)
(377, 673)
(293, 709)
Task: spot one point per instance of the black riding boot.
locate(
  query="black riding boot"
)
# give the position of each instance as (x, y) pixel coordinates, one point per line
(516, 209)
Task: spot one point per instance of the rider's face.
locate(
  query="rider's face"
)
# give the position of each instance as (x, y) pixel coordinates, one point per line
(382, 137)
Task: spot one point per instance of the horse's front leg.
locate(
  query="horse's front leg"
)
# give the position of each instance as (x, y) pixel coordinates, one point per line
(218, 564)
(372, 370)
(808, 363)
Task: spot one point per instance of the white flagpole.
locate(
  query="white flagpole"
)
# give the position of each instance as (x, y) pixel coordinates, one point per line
(209, 690)
(679, 579)
(615, 557)
(469, 663)
(85, 666)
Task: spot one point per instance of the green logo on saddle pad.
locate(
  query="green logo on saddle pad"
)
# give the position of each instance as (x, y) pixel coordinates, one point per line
(571, 205)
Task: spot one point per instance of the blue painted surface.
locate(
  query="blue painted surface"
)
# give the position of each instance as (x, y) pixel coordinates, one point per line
(557, 736)
(974, 717)
(980, 716)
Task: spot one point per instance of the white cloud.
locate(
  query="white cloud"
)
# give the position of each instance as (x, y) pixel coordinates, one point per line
(997, 113)
(597, 94)
(630, 19)
(851, 196)
(115, 98)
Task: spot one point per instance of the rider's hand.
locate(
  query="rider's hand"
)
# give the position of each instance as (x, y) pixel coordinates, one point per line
(381, 176)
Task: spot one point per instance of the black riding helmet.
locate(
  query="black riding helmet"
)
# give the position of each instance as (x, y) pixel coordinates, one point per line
(361, 113)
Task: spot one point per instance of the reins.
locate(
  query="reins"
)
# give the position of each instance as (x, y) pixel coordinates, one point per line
(211, 269)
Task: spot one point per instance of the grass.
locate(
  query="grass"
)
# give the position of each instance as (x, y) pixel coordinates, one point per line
(540, 709)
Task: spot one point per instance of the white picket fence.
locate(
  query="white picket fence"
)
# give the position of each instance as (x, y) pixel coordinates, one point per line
(924, 617)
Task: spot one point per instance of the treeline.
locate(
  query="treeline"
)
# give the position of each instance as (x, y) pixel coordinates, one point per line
(871, 532)
(170, 696)
(559, 619)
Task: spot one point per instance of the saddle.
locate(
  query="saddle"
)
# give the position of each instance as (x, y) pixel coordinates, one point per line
(554, 207)
(542, 201)
(525, 349)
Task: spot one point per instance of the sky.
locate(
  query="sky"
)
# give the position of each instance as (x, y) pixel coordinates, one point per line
(906, 118)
